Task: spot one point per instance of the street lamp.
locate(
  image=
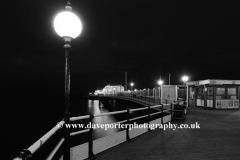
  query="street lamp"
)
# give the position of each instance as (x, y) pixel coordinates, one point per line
(185, 79)
(68, 26)
(160, 82)
(131, 84)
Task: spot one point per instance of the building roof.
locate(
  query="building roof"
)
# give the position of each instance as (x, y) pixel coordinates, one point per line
(213, 82)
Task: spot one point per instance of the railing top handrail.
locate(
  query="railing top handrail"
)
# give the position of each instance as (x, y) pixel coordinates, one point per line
(79, 118)
(44, 138)
(138, 109)
(156, 106)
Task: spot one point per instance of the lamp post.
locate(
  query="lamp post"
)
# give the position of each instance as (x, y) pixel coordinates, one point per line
(131, 84)
(160, 82)
(185, 79)
(68, 26)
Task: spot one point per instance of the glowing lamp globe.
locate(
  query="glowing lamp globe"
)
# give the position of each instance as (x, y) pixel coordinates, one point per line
(67, 24)
(160, 82)
(184, 78)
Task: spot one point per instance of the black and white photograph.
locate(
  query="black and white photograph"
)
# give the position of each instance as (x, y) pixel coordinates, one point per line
(120, 80)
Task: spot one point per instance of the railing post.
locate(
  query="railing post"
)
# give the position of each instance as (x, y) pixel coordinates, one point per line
(127, 129)
(66, 155)
(162, 113)
(149, 129)
(90, 140)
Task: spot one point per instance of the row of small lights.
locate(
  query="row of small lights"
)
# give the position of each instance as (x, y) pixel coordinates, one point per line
(184, 79)
(160, 82)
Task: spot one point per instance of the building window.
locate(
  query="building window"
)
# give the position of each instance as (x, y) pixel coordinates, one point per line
(210, 91)
(232, 91)
(220, 91)
(200, 90)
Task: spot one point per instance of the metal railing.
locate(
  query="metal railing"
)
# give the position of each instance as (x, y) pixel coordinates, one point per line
(26, 154)
(158, 95)
(148, 100)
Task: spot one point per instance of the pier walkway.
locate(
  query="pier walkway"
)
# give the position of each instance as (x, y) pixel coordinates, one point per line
(217, 138)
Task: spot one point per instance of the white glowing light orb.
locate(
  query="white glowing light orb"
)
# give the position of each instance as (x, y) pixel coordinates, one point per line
(184, 78)
(67, 24)
(160, 82)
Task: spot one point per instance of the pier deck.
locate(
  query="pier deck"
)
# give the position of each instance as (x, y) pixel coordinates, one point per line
(217, 138)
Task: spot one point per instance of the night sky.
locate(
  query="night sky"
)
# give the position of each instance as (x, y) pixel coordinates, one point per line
(148, 39)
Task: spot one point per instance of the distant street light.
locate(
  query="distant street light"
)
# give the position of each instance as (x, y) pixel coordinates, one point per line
(160, 82)
(68, 26)
(131, 84)
(185, 79)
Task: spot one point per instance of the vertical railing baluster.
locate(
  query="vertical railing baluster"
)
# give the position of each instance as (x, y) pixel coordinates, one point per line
(172, 111)
(90, 139)
(162, 113)
(149, 100)
(149, 129)
(127, 129)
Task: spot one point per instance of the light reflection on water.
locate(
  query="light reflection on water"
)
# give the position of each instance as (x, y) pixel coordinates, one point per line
(95, 107)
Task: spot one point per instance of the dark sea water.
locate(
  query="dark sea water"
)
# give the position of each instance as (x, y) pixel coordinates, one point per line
(27, 117)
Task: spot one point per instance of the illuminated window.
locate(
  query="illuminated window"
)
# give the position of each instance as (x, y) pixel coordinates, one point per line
(231, 91)
(221, 91)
